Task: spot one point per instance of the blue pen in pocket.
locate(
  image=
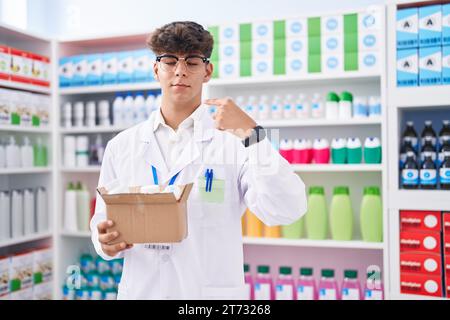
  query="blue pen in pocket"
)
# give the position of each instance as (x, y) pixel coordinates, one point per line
(208, 180)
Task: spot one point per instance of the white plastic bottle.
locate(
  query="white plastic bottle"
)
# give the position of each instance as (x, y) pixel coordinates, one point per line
(90, 114)
(374, 106)
(345, 105)
(276, 111)
(332, 106)
(2, 155)
(70, 209)
(150, 104)
(103, 113)
(70, 160)
(12, 154)
(5, 215)
(26, 151)
(67, 115)
(140, 109)
(41, 210)
(28, 212)
(317, 107)
(79, 114)
(118, 111)
(263, 107)
(251, 107)
(360, 107)
(82, 151)
(16, 214)
(302, 107)
(288, 107)
(129, 110)
(83, 212)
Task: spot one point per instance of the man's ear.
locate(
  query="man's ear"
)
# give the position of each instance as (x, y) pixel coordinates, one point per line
(209, 72)
(155, 70)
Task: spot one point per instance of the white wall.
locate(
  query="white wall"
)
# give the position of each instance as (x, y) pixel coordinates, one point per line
(80, 18)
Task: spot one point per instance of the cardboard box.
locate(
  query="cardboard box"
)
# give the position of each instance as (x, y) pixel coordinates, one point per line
(21, 272)
(20, 66)
(80, 68)
(370, 19)
(446, 247)
(296, 27)
(447, 273)
(143, 65)
(262, 30)
(420, 284)
(446, 64)
(430, 66)
(43, 291)
(407, 68)
(5, 62)
(425, 221)
(420, 242)
(148, 218)
(446, 223)
(125, 67)
(262, 67)
(297, 47)
(262, 49)
(4, 277)
(40, 70)
(333, 63)
(369, 61)
(296, 66)
(228, 33)
(407, 28)
(109, 68)
(229, 69)
(65, 71)
(430, 25)
(446, 24)
(42, 265)
(94, 69)
(423, 263)
(229, 51)
(25, 294)
(332, 25)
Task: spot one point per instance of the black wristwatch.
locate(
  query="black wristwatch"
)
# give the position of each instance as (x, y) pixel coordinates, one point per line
(258, 134)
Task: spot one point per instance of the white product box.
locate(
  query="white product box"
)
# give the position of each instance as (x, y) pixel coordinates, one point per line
(21, 271)
(4, 277)
(80, 68)
(5, 62)
(94, 69)
(262, 49)
(370, 19)
(430, 25)
(407, 67)
(42, 265)
(332, 25)
(229, 69)
(368, 41)
(25, 294)
(262, 30)
(296, 65)
(229, 51)
(43, 291)
(21, 64)
(297, 47)
(369, 61)
(143, 65)
(407, 28)
(332, 44)
(262, 67)
(40, 70)
(430, 66)
(65, 71)
(229, 33)
(333, 63)
(109, 68)
(297, 27)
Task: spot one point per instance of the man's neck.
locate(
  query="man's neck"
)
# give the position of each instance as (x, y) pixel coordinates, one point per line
(174, 114)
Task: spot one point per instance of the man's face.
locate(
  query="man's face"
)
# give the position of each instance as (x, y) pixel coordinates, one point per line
(179, 82)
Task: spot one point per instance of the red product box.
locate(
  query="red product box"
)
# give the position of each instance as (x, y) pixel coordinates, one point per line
(420, 284)
(420, 242)
(424, 221)
(447, 245)
(447, 274)
(423, 263)
(446, 223)
(40, 70)
(5, 61)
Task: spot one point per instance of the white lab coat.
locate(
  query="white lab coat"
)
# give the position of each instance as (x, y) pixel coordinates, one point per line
(208, 264)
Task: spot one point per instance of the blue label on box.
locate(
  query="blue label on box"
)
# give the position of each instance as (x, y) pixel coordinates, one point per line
(430, 66)
(65, 71)
(109, 70)
(446, 65)
(79, 70)
(125, 66)
(430, 25)
(446, 24)
(94, 69)
(143, 66)
(407, 68)
(407, 28)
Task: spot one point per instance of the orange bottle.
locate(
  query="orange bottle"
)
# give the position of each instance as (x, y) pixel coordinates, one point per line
(272, 232)
(254, 226)
(244, 223)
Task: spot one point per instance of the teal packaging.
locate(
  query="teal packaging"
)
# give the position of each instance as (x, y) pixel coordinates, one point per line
(430, 66)
(109, 70)
(79, 70)
(407, 28)
(372, 150)
(446, 24)
(446, 64)
(125, 66)
(339, 151)
(142, 71)
(65, 71)
(407, 68)
(430, 25)
(94, 69)
(354, 151)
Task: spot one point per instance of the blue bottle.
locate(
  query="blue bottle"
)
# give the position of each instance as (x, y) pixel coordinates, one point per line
(410, 172)
(428, 172)
(444, 172)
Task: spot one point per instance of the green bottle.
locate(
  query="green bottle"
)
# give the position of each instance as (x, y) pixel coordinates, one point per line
(341, 215)
(372, 215)
(316, 216)
(294, 230)
(40, 154)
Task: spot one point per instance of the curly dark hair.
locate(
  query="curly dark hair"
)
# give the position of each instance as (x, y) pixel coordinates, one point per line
(181, 37)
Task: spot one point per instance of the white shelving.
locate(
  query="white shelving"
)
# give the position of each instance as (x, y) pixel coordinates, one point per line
(110, 88)
(90, 169)
(13, 128)
(282, 123)
(313, 243)
(25, 239)
(84, 130)
(25, 171)
(337, 167)
(24, 87)
(76, 234)
(421, 97)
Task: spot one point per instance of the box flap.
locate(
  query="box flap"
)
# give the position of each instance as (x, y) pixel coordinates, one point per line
(186, 191)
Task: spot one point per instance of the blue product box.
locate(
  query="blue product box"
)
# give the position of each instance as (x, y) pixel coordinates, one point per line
(446, 24)
(430, 26)
(94, 72)
(125, 67)
(446, 64)
(79, 70)
(430, 66)
(142, 66)
(407, 68)
(109, 68)
(65, 71)
(407, 28)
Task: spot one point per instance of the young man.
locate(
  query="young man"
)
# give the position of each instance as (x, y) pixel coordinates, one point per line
(182, 141)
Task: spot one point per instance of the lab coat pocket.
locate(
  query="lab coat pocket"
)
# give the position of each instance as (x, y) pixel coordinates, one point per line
(215, 193)
(224, 293)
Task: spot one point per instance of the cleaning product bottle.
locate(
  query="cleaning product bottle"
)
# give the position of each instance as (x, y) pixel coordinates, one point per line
(374, 106)
(372, 150)
(287, 150)
(332, 106)
(104, 118)
(351, 290)
(328, 288)
(70, 209)
(406, 147)
(26, 151)
(249, 283)
(306, 286)
(317, 107)
(445, 147)
(444, 134)
(360, 107)
(428, 148)
(128, 110)
(272, 232)
(83, 212)
(285, 285)
(2, 155)
(251, 107)
(90, 114)
(255, 227)
(118, 111)
(17, 214)
(276, 111)
(321, 151)
(428, 172)
(339, 151)
(5, 215)
(316, 218)
(302, 108)
(410, 172)
(264, 108)
(354, 151)
(372, 215)
(288, 107)
(40, 154)
(374, 287)
(410, 134)
(29, 219)
(303, 151)
(341, 214)
(345, 105)
(428, 132)
(444, 172)
(12, 154)
(264, 289)
(294, 230)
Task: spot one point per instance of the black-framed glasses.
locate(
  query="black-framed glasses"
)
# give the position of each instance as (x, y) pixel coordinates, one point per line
(194, 63)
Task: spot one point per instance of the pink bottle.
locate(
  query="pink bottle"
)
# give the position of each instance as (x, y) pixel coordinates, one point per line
(249, 282)
(306, 286)
(328, 288)
(374, 287)
(302, 151)
(285, 285)
(351, 290)
(321, 151)
(264, 289)
(287, 150)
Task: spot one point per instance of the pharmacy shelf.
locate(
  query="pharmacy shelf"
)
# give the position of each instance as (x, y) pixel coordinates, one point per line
(25, 170)
(438, 200)
(284, 123)
(313, 243)
(90, 169)
(337, 167)
(421, 97)
(110, 88)
(109, 129)
(76, 234)
(29, 238)
(13, 128)
(24, 87)
(346, 77)
(403, 296)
